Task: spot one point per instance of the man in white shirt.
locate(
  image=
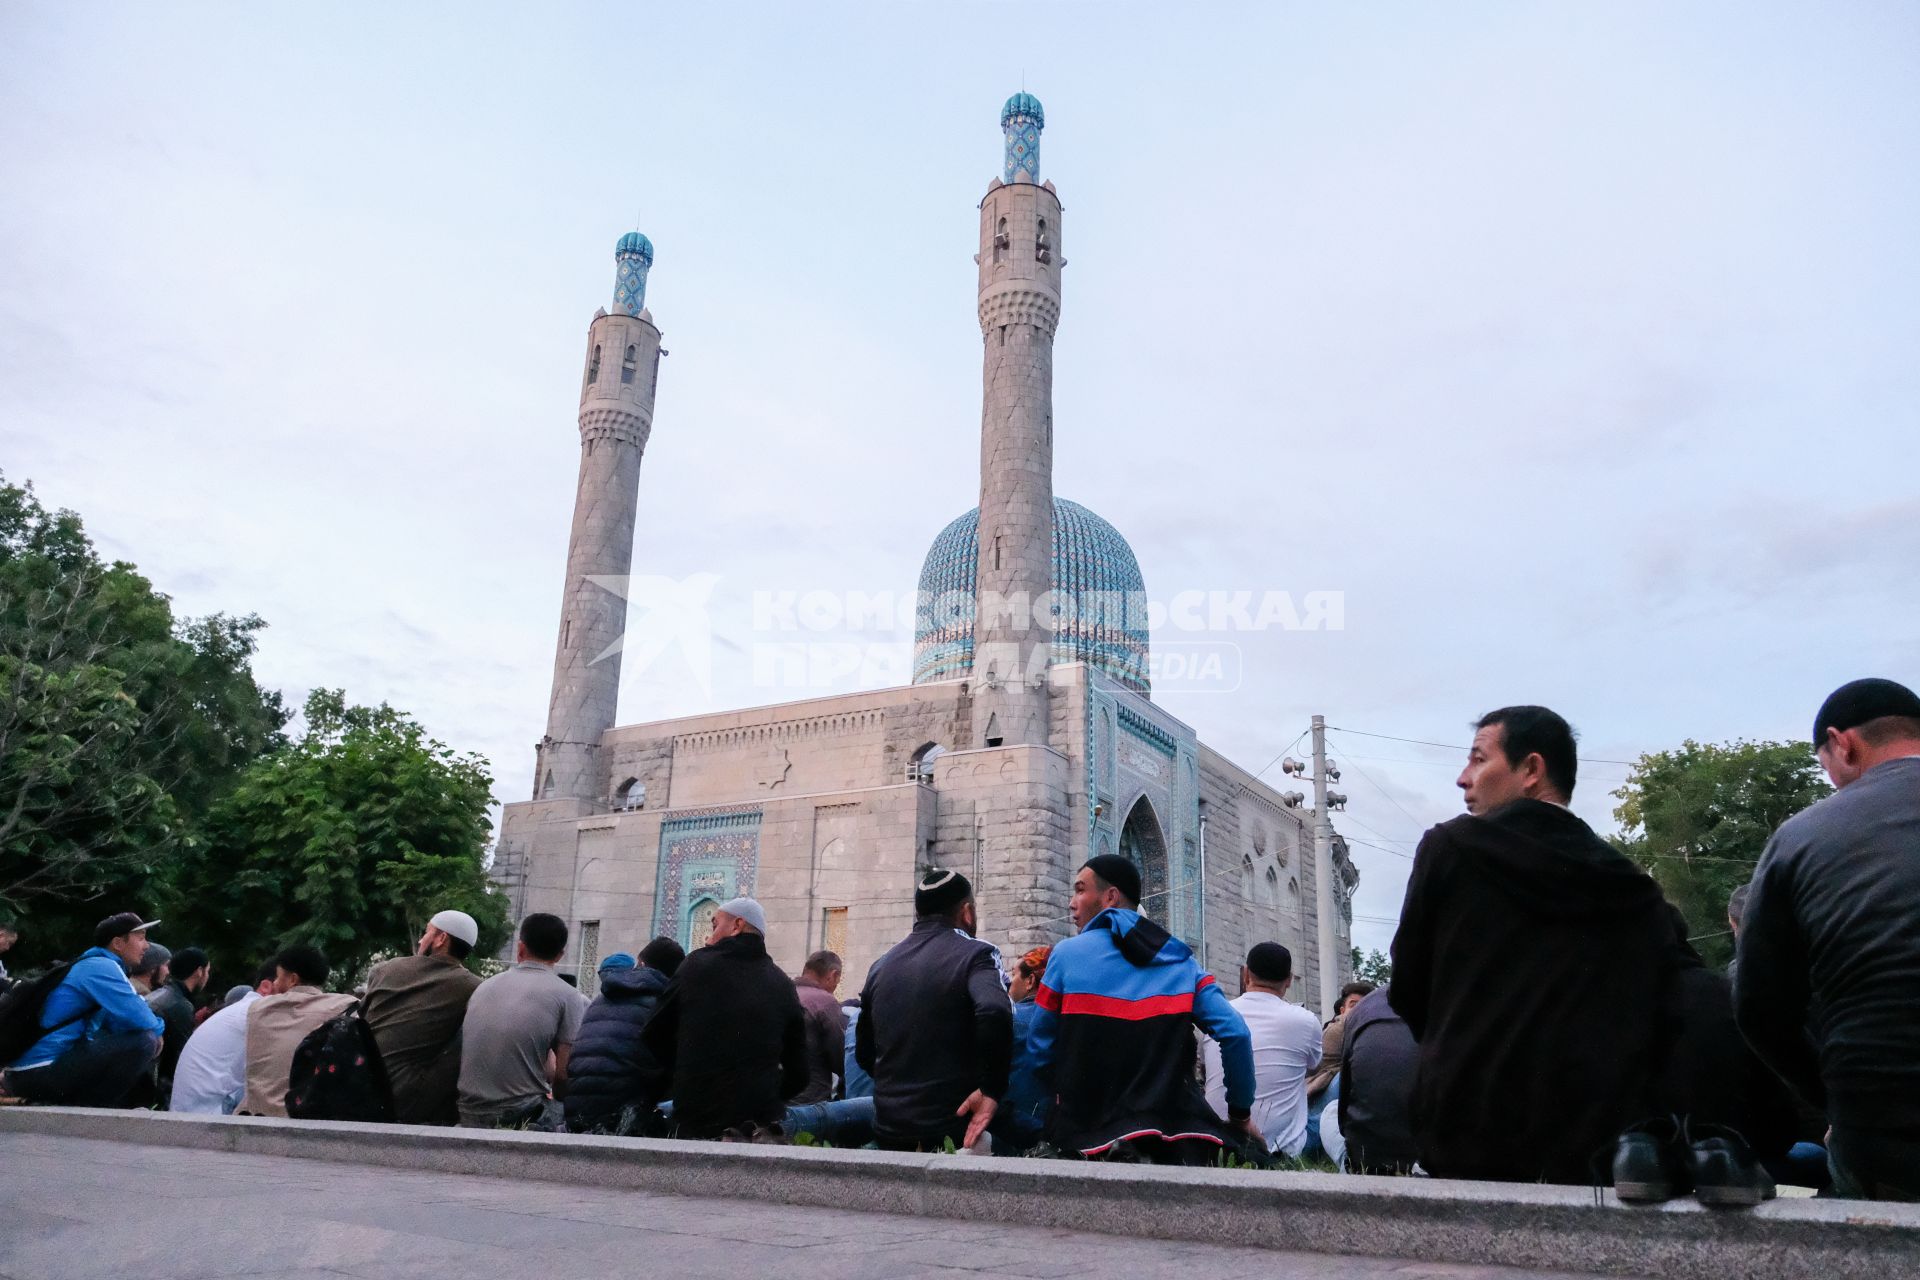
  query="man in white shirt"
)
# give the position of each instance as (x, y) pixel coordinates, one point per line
(1286, 1046)
(212, 1071)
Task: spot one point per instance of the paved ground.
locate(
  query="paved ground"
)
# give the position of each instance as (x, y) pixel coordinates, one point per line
(76, 1209)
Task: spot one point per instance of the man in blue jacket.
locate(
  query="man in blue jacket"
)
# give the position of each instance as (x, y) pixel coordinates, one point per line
(1114, 1033)
(100, 1035)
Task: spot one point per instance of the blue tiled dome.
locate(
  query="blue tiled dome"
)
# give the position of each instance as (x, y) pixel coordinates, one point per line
(1090, 560)
(1023, 104)
(634, 242)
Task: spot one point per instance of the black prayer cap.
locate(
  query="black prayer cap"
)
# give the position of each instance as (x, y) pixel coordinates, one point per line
(940, 892)
(1270, 962)
(1119, 873)
(1858, 701)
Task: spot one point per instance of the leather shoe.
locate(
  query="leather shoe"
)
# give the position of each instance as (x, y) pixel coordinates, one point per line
(1724, 1170)
(1646, 1164)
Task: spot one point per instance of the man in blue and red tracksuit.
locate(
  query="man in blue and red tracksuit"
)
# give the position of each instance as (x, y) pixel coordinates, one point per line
(1114, 1033)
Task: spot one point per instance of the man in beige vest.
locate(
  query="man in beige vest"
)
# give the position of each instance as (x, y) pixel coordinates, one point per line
(276, 1024)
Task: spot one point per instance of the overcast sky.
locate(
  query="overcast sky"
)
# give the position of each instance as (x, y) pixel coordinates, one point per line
(1573, 344)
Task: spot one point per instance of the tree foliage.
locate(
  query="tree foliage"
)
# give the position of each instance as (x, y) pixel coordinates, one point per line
(120, 724)
(349, 838)
(1375, 967)
(1698, 818)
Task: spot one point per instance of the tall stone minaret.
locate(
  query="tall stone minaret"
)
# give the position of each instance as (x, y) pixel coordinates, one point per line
(1019, 308)
(616, 416)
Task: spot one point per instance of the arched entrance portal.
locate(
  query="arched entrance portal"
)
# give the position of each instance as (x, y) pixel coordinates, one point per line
(1142, 844)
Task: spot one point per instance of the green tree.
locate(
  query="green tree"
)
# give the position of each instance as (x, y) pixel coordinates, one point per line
(1375, 967)
(120, 724)
(1698, 818)
(348, 838)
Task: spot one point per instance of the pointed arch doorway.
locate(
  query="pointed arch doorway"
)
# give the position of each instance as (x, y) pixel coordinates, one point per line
(1143, 844)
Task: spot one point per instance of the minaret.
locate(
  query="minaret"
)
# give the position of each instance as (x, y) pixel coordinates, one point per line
(616, 415)
(1019, 308)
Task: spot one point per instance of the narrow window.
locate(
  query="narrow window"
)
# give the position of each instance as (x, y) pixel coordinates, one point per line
(593, 366)
(586, 970)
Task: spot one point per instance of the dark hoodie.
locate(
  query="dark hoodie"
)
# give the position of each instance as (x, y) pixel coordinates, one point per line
(609, 1067)
(1532, 965)
(730, 1033)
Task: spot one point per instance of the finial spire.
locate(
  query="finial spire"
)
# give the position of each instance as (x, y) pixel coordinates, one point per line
(632, 258)
(1022, 120)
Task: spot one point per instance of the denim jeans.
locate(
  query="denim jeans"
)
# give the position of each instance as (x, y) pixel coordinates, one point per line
(1869, 1165)
(100, 1072)
(847, 1123)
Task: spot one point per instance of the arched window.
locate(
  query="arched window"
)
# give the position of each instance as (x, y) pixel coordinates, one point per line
(1273, 887)
(631, 795)
(920, 767)
(1042, 249)
(1000, 241)
(628, 366)
(1246, 879)
(593, 366)
(546, 787)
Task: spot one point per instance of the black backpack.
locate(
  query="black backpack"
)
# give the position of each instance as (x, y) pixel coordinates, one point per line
(20, 1010)
(337, 1074)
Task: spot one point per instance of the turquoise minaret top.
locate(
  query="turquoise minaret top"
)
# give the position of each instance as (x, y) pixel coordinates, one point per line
(1022, 119)
(632, 257)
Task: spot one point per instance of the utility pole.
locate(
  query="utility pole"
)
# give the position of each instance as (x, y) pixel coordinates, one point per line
(1323, 871)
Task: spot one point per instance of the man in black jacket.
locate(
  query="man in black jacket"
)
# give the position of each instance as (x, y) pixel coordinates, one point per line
(729, 1033)
(1829, 980)
(1531, 964)
(612, 1081)
(936, 1026)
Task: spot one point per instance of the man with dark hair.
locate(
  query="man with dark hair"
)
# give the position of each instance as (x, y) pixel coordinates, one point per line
(613, 1083)
(100, 1036)
(1829, 941)
(826, 1025)
(730, 1034)
(415, 1006)
(277, 1023)
(936, 1027)
(1332, 1036)
(9, 934)
(1530, 964)
(211, 1076)
(1119, 1004)
(516, 1022)
(1286, 1046)
(174, 1002)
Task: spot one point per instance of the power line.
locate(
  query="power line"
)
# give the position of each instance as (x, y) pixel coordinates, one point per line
(1382, 848)
(1454, 746)
(1389, 795)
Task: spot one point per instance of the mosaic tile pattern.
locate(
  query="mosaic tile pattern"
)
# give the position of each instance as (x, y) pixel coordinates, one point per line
(706, 858)
(632, 258)
(1022, 120)
(1092, 566)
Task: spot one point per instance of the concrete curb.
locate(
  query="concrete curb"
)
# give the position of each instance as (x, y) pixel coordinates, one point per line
(1559, 1228)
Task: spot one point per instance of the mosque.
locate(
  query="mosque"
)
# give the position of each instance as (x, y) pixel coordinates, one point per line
(1024, 745)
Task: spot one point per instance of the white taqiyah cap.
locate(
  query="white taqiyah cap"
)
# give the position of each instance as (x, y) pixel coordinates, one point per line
(457, 924)
(746, 909)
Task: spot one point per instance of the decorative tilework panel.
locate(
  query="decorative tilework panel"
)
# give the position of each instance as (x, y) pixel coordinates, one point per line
(705, 859)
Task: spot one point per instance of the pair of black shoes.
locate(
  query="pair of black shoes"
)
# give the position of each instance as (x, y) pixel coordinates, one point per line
(1656, 1160)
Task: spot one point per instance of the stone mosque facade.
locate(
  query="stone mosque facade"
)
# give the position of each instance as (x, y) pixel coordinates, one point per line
(1019, 750)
